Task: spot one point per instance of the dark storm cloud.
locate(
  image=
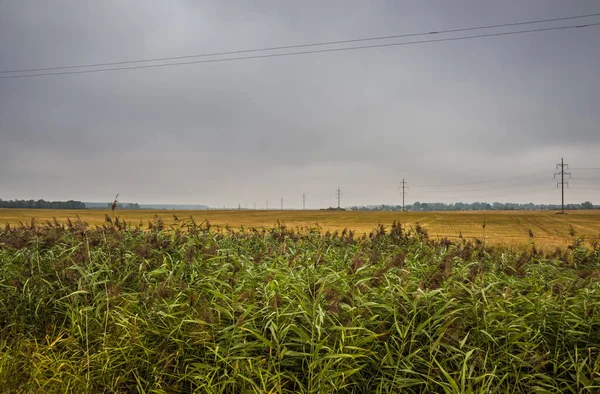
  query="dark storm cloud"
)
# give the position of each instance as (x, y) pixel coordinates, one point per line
(246, 131)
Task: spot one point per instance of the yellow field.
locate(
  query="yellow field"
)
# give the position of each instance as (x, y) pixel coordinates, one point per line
(502, 227)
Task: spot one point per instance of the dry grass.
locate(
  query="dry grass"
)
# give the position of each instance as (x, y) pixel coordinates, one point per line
(502, 227)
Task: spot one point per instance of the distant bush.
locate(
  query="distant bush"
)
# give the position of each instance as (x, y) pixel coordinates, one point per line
(42, 204)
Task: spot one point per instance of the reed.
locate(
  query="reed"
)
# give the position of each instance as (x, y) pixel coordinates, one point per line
(193, 308)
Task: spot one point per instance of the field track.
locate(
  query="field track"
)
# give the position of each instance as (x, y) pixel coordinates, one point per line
(502, 227)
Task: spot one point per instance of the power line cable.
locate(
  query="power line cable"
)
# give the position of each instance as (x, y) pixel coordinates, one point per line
(466, 196)
(489, 181)
(498, 195)
(487, 196)
(301, 52)
(300, 45)
(482, 190)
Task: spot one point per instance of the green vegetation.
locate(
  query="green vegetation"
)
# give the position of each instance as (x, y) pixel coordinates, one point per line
(187, 308)
(475, 206)
(41, 204)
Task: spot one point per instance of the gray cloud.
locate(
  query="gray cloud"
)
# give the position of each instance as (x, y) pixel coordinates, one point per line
(246, 131)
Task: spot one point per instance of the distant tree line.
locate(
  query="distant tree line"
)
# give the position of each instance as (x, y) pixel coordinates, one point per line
(476, 206)
(42, 204)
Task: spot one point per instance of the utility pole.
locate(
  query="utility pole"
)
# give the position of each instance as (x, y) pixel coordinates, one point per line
(338, 193)
(562, 166)
(404, 189)
(282, 203)
(304, 201)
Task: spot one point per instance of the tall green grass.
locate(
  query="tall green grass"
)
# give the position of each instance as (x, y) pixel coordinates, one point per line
(191, 308)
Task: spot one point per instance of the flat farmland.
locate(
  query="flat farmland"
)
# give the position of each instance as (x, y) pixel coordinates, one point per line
(509, 228)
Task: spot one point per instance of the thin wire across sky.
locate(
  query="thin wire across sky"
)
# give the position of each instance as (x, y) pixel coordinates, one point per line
(458, 192)
(106, 66)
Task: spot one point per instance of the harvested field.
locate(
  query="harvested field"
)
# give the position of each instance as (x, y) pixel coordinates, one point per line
(508, 228)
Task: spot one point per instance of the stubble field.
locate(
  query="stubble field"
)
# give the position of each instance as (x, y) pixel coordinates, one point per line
(506, 228)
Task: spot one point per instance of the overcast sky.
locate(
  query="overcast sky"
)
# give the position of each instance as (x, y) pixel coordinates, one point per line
(239, 132)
